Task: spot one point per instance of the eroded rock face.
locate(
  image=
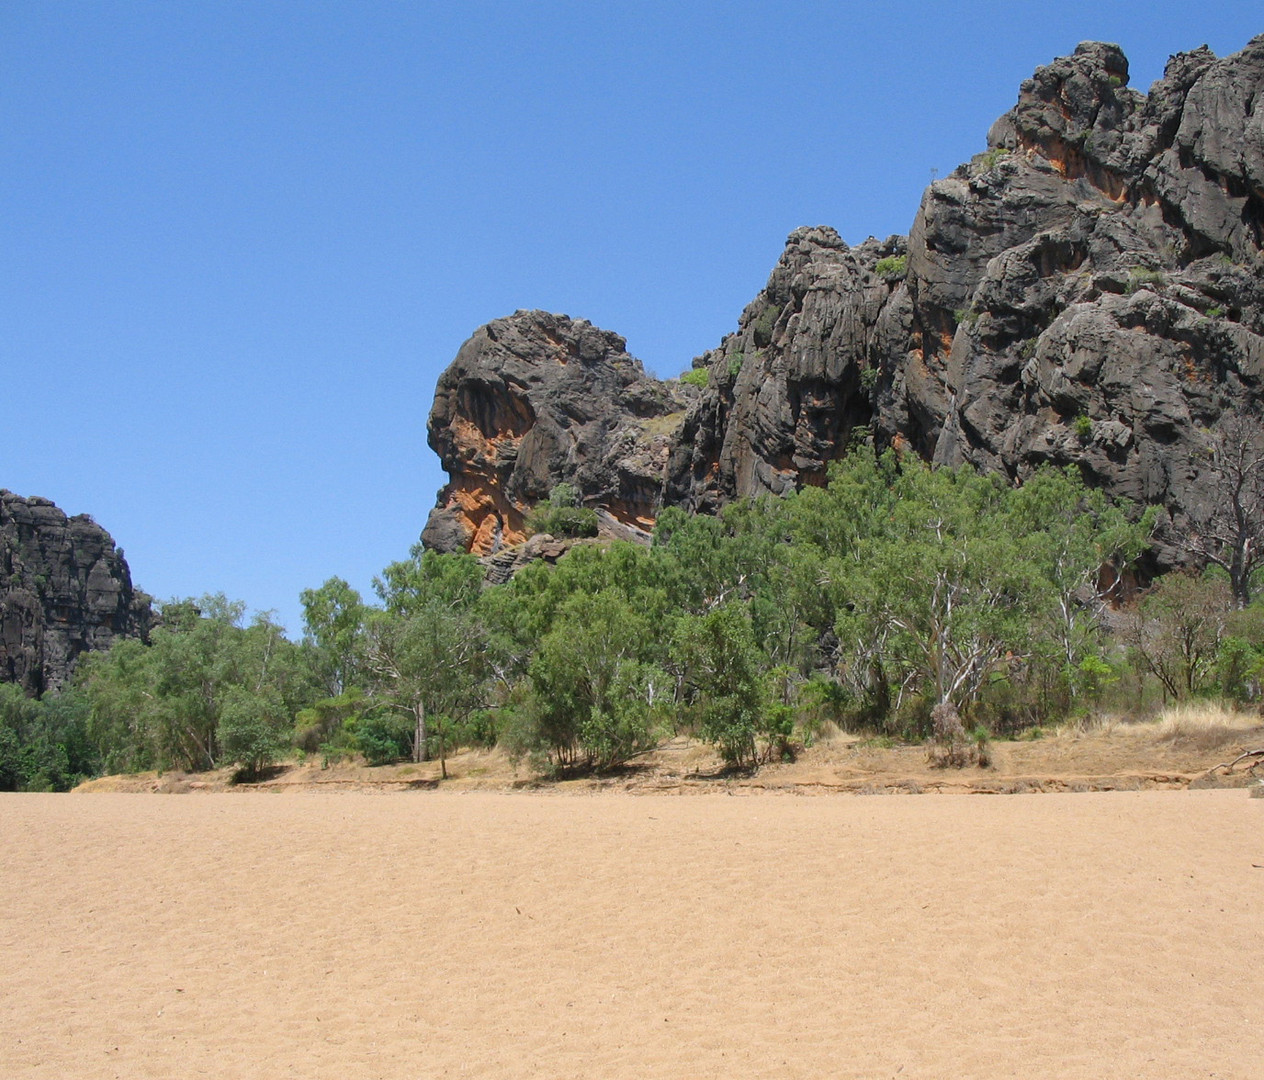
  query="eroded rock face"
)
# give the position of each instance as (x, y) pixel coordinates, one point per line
(64, 589)
(535, 400)
(1089, 291)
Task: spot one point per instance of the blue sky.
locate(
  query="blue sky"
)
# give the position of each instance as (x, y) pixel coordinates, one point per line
(239, 241)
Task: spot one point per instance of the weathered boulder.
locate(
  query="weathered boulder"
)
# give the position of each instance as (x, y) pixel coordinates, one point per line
(1088, 291)
(535, 400)
(64, 589)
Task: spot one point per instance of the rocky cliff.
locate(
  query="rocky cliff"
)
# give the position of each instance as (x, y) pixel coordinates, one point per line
(537, 399)
(64, 589)
(1088, 291)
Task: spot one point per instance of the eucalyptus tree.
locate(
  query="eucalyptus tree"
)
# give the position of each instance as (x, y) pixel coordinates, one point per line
(428, 647)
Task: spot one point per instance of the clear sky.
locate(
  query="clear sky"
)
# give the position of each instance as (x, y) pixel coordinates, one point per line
(239, 241)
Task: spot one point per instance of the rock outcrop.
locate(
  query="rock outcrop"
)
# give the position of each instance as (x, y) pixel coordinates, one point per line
(64, 589)
(535, 400)
(1088, 291)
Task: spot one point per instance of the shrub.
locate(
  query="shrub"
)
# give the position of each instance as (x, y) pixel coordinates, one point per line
(969, 316)
(735, 364)
(698, 377)
(572, 522)
(384, 737)
(989, 159)
(562, 516)
(951, 746)
(1141, 277)
(1083, 427)
(765, 324)
(893, 266)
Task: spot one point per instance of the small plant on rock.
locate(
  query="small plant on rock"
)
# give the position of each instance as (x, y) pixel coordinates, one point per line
(893, 266)
(698, 377)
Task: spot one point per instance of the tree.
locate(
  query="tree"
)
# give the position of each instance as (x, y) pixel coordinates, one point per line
(597, 691)
(1176, 631)
(429, 648)
(164, 704)
(1228, 530)
(941, 583)
(1080, 543)
(722, 670)
(333, 623)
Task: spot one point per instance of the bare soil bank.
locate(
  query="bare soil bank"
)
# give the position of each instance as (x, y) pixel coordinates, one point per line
(504, 934)
(1117, 757)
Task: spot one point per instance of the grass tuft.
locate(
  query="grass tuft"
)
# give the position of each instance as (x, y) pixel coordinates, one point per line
(1207, 723)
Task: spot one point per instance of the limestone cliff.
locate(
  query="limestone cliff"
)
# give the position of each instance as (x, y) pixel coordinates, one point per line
(1088, 291)
(64, 589)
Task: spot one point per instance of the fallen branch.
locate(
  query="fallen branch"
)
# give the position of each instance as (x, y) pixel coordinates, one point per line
(1228, 765)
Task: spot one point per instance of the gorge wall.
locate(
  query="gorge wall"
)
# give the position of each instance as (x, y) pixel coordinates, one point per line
(64, 589)
(1088, 291)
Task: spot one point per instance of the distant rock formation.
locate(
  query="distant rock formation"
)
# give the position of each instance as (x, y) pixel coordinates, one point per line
(532, 401)
(1088, 291)
(64, 589)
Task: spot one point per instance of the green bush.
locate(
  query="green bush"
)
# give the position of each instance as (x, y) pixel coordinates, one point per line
(765, 324)
(735, 364)
(1083, 427)
(384, 737)
(893, 266)
(698, 377)
(571, 522)
(562, 516)
(990, 158)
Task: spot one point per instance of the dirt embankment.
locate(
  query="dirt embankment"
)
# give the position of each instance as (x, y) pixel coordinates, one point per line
(1178, 753)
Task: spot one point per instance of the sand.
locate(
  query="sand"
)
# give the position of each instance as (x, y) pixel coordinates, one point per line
(510, 934)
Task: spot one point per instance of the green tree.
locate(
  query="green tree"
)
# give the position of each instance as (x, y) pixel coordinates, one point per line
(333, 624)
(1080, 544)
(1176, 631)
(941, 589)
(43, 742)
(163, 704)
(597, 691)
(429, 649)
(721, 664)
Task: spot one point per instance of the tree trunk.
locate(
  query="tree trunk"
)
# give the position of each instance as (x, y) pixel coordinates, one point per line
(419, 736)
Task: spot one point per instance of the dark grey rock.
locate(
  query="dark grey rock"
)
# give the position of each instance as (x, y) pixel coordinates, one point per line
(64, 589)
(535, 400)
(1087, 292)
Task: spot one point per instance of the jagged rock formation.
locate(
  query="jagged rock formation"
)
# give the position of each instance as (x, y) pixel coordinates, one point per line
(64, 589)
(1088, 291)
(537, 399)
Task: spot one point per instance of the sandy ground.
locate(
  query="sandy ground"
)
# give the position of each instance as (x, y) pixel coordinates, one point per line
(507, 934)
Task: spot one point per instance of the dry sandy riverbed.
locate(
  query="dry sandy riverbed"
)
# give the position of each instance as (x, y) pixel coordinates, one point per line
(503, 934)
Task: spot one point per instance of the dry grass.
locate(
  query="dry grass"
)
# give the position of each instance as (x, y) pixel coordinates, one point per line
(1207, 723)
(662, 425)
